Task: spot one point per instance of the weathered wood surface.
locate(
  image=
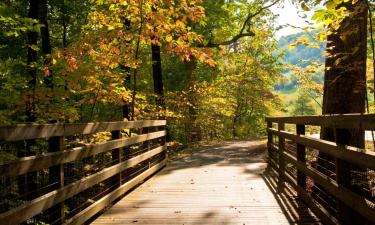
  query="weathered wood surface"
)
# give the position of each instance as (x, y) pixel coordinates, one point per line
(222, 184)
(56, 157)
(349, 198)
(33, 163)
(34, 131)
(347, 121)
(354, 155)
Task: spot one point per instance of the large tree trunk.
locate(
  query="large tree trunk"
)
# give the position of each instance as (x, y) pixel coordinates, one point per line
(157, 76)
(345, 92)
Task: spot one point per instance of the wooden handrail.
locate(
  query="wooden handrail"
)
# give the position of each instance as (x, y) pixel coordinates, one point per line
(348, 121)
(33, 163)
(279, 158)
(357, 156)
(57, 157)
(34, 131)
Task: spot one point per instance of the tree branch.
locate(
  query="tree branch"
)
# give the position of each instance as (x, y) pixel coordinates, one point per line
(251, 16)
(241, 34)
(229, 42)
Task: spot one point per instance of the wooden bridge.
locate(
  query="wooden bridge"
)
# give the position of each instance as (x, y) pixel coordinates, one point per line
(100, 173)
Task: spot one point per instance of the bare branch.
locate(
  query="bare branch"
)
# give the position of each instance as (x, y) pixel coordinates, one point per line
(231, 41)
(251, 16)
(241, 34)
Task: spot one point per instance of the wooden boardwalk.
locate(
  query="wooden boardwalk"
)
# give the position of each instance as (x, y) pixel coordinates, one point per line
(222, 184)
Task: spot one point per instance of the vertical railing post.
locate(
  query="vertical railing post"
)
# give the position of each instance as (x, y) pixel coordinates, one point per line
(269, 135)
(117, 155)
(146, 144)
(147, 130)
(56, 176)
(301, 157)
(346, 215)
(281, 162)
(164, 141)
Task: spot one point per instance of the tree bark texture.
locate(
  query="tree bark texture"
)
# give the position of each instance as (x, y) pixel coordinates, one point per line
(344, 93)
(157, 75)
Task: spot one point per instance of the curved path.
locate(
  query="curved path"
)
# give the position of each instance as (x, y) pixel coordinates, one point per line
(219, 184)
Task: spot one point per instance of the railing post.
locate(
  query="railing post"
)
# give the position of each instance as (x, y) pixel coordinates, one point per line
(56, 175)
(269, 125)
(281, 162)
(301, 157)
(164, 141)
(147, 144)
(346, 215)
(117, 155)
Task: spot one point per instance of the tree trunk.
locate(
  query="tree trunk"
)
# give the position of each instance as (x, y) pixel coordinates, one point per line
(194, 133)
(126, 108)
(234, 128)
(27, 185)
(46, 43)
(32, 41)
(157, 76)
(64, 24)
(345, 92)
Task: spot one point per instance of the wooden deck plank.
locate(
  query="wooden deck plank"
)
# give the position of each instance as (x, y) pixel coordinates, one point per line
(220, 184)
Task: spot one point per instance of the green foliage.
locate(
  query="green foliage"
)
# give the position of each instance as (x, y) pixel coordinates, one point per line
(302, 106)
(97, 59)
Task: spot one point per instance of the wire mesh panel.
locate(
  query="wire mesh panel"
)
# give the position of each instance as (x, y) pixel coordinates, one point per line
(56, 174)
(333, 178)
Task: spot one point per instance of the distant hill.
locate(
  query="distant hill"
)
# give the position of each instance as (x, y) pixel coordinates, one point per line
(301, 55)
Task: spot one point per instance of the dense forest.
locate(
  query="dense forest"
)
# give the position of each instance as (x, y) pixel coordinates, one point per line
(213, 69)
(201, 64)
(209, 67)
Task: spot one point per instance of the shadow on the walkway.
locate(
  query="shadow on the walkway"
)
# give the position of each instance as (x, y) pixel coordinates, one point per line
(293, 208)
(239, 154)
(182, 201)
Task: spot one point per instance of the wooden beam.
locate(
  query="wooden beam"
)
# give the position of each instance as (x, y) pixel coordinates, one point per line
(99, 205)
(354, 201)
(301, 157)
(353, 155)
(27, 131)
(319, 211)
(347, 121)
(56, 178)
(281, 162)
(34, 163)
(36, 206)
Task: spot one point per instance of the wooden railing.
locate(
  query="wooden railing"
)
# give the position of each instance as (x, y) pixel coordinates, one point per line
(77, 174)
(293, 160)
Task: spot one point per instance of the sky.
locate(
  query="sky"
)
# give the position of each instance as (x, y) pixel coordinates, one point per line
(292, 15)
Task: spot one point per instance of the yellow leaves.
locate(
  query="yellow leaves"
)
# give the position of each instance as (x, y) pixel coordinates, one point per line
(161, 23)
(292, 46)
(123, 2)
(113, 65)
(169, 38)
